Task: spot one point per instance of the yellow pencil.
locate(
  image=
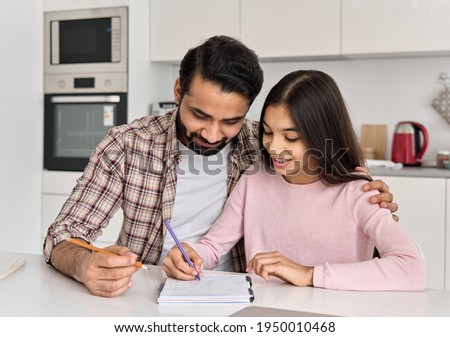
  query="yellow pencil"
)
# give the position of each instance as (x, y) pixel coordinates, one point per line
(81, 243)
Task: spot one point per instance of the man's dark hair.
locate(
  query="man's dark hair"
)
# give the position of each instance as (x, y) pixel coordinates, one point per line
(224, 61)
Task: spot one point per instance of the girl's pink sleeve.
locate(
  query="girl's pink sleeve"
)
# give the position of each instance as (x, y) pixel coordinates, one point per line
(401, 266)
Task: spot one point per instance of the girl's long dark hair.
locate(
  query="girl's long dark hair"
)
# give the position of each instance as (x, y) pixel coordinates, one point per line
(321, 116)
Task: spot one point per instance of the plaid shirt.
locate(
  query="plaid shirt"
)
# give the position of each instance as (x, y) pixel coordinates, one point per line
(134, 168)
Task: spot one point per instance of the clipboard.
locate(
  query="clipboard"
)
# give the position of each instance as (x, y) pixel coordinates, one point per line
(213, 288)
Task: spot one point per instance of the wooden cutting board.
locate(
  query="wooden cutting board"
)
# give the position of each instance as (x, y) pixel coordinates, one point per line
(374, 136)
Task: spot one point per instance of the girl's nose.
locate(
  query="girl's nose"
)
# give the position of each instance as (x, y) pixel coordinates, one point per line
(275, 145)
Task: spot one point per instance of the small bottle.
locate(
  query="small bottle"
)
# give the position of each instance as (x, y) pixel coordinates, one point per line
(442, 156)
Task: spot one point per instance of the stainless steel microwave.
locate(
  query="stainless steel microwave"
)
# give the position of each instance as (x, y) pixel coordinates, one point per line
(86, 44)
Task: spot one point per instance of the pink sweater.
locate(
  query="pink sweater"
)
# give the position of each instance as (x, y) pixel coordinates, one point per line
(333, 228)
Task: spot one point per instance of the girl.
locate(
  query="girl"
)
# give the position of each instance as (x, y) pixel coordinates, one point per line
(303, 214)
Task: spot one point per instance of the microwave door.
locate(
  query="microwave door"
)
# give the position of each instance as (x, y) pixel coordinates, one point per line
(85, 41)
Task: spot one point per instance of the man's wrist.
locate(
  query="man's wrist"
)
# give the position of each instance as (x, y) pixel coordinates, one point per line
(69, 259)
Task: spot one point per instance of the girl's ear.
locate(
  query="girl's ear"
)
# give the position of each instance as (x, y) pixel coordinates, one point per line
(177, 91)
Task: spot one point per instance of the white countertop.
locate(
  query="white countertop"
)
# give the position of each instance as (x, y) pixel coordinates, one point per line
(38, 290)
(410, 171)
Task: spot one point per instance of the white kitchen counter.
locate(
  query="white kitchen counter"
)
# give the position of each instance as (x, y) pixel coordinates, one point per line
(37, 290)
(424, 172)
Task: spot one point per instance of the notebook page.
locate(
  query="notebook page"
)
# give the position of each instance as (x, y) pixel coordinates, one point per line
(210, 285)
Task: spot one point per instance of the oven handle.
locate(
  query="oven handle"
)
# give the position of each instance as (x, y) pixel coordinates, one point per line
(86, 99)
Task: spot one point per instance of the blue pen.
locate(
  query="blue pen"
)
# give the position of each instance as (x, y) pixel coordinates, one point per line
(186, 257)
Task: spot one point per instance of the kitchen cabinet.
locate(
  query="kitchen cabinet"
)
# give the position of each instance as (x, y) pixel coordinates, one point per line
(56, 188)
(291, 28)
(176, 26)
(274, 29)
(299, 29)
(401, 26)
(422, 211)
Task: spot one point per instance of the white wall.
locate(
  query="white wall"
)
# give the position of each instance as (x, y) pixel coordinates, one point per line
(381, 91)
(378, 91)
(148, 82)
(21, 85)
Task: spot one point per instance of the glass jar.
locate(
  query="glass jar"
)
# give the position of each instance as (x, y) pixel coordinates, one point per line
(442, 156)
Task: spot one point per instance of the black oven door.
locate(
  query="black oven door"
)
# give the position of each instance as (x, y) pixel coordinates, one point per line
(74, 124)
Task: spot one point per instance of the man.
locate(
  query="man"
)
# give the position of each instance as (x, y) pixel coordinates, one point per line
(146, 168)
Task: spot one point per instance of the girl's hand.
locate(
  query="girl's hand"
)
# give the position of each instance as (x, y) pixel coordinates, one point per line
(278, 265)
(175, 266)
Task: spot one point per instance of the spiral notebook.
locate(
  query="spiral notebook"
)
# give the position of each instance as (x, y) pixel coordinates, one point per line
(212, 288)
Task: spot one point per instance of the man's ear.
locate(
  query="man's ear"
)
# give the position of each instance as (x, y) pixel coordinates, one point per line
(177, 91)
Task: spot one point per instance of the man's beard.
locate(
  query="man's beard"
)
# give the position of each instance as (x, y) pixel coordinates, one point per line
(191, 144)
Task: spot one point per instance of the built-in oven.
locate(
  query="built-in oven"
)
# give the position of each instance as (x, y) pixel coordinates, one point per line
(74, 124)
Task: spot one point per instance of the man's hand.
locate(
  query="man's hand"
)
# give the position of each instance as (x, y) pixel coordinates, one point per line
(103, 274)
(385, 199)
(175, 266)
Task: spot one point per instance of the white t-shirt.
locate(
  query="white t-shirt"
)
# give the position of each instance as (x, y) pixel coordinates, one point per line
(200, 196)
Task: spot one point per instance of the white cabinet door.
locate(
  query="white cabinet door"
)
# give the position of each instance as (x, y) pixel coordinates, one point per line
(291, 28)
(422, 208)
(178, 25)
(400, 26)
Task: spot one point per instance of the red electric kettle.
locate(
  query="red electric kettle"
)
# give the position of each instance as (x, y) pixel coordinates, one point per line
(409, 143)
